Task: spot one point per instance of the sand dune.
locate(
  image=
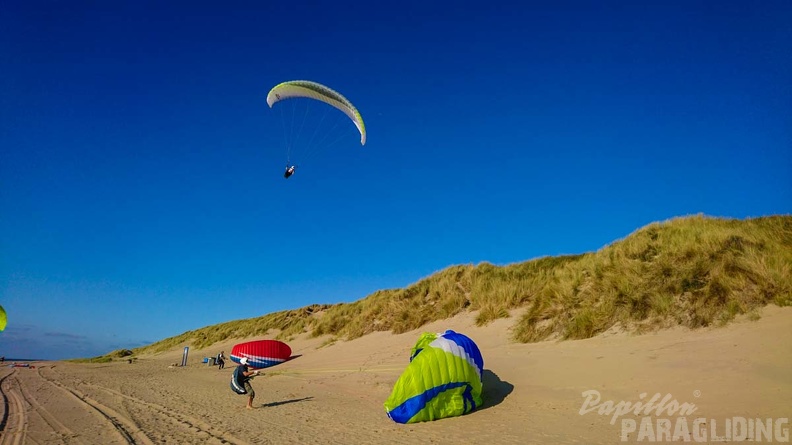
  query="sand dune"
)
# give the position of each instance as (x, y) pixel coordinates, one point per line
(334, 394)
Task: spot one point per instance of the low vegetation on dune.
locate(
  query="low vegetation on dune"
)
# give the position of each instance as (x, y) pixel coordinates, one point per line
(693, 271)
(115, 355)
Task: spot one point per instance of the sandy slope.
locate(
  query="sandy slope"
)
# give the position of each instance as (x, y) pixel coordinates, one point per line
(334, 394)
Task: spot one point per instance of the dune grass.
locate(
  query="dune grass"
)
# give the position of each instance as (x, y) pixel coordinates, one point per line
(693, 271)
(286, 323)
(115, 355)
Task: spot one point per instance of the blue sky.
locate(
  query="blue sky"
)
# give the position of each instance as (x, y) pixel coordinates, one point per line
(141, 187)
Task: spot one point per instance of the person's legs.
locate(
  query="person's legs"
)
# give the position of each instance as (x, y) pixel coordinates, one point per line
(251, 395)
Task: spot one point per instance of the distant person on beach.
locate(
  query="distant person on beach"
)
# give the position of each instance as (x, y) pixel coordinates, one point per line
(242, 376)
(220, 360)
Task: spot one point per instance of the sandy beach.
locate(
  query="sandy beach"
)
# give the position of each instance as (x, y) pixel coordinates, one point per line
(333, 394)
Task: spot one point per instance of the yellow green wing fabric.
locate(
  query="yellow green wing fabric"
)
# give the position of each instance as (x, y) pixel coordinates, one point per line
(442, 380)
(317, 91)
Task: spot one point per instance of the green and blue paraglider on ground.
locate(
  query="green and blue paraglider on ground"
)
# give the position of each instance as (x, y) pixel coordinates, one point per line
(443, 379)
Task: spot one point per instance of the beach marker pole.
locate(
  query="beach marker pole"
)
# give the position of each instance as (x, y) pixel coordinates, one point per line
(184, 357)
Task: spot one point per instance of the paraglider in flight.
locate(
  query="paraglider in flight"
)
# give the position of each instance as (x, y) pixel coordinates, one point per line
(3, 319)
(442, 380)
(321, 125)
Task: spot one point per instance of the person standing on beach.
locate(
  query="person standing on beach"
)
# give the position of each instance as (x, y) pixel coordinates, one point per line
(220, 360)
(242, 376)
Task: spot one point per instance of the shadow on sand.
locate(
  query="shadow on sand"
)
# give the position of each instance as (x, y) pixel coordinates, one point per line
(283, 402)
(495, 389)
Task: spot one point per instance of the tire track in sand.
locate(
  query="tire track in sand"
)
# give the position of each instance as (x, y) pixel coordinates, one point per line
(13, 427)
(60, 430)
(180, 419)
(128, 431)
(194, 426)
(4, 419)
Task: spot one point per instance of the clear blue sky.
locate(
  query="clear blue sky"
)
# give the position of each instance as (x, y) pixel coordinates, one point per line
(141, 187)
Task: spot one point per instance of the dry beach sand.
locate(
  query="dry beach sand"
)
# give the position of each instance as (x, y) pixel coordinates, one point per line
(333, 394)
